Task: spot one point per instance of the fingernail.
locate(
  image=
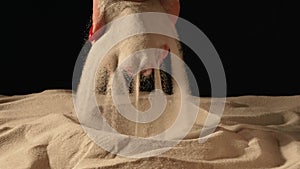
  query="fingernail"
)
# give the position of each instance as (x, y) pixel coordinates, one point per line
(91, 32)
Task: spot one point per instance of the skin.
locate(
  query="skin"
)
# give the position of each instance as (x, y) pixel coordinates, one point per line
(105, 11)
(171, 7)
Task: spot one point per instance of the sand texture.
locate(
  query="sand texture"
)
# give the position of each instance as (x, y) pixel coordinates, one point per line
(40, 131)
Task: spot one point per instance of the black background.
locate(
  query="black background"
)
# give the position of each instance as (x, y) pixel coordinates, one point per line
(256, 41)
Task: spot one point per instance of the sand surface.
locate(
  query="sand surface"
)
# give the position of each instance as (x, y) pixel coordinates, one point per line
(40, 131)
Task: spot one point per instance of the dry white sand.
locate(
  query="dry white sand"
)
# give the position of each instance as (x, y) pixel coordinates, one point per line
(40, 131)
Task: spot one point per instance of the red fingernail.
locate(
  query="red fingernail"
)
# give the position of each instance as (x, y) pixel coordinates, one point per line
(91, 32)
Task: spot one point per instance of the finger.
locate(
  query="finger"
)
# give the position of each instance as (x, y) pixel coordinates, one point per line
(172, 7)
(98, 21)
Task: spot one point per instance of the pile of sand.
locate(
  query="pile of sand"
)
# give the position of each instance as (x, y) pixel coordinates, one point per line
(42, 131)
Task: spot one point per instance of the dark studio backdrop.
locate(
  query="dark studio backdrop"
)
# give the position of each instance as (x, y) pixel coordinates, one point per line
(256, 41)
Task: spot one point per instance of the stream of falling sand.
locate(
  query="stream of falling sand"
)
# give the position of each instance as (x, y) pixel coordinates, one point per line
(157, 80)
(135, 128)
(137, 96)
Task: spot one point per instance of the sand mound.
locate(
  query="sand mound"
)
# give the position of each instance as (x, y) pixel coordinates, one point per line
(42, 131)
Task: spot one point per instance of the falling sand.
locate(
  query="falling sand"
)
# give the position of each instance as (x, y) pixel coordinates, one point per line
(141, 102)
